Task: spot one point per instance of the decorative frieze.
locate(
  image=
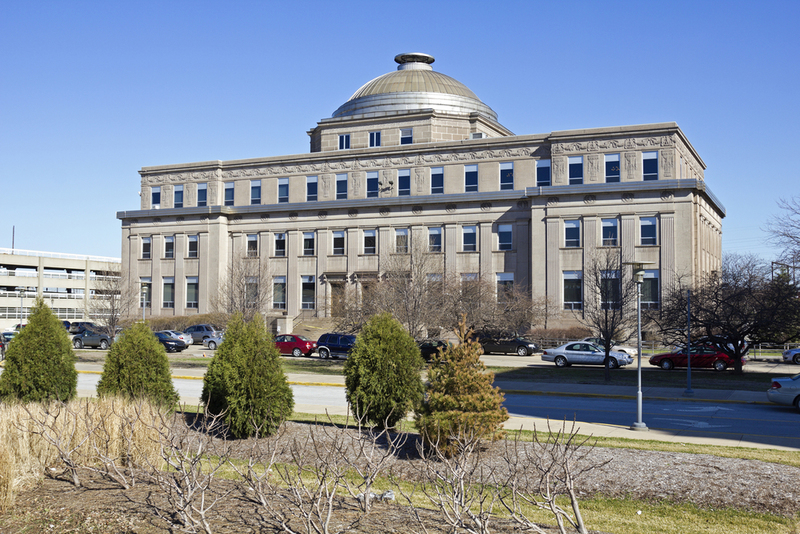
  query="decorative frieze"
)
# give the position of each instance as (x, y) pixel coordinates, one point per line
(606, 145)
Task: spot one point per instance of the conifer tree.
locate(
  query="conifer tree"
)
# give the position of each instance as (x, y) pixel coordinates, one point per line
(137, 367)
(460, 399)
(40, 364)
(246, 382)
(382, 372)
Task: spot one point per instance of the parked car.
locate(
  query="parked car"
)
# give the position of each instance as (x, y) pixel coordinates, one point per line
(633, 351)
(186, 338)
(66, 324)
(581, 352)
(430, 347)
(517, 345)
(702, 356)
(199, 332)
(5, 339)
(90, 338)
(214, 342)
(792, 356)
(335, 345)
(295, 345)
(786, 391)
(77, 326)
(170, 343)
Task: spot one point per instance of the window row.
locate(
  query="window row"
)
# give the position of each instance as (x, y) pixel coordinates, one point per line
(191, 285)
(169, 247)
(648, 232)
(610, 290)
(406, 138)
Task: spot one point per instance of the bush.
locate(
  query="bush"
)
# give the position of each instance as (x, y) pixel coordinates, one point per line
(382, 372)
(40, 364)
(246, 382)
(137, 367)
(460, 400)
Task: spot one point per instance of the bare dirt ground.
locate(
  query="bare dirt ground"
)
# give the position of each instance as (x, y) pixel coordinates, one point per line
(55, 505)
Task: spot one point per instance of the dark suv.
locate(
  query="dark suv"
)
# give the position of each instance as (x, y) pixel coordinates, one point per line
(200, 332)
(335, 345)
(87, 338)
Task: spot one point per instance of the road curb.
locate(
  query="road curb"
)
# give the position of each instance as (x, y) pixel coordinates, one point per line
(628, 397)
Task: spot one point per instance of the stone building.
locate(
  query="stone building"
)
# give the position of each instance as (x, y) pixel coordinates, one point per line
(414, 156)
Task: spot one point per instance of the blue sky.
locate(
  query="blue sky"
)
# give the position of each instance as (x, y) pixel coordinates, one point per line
(90, 92)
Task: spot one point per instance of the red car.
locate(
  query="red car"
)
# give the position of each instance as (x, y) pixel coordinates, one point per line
(702, 356)
(295, 345)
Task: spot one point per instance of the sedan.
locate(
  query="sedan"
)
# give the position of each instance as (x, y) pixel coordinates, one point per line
(87, 338)
(186, 338)
(614, 346)
(214, 342)
(516, 345)
(170, 343)
(785, 391)
(792, 356)
(584, 353)
(702, 356)
(295, 345)
(430, 348)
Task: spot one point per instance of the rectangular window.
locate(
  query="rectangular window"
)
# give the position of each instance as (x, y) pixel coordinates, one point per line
(283, 190)
(229, 193)
(503, 237)
(279, 292)
(338, 242)
(344, 141)
(308, 243)
(252, 246)
(506, 176)
(372, 184)
(406, 136)
(575, 170)
(401, 240)
(609, 227)
(403, 182)
(255, 191)
(311, 188)
(168, 292)
(155, 197)
(202, 195)
(469, 277)
(308, 293)
(437, 180)
(251, 292)
(145, 291)
(650, 290)
(470, 238)
(370, 237)
(647, 226)
(543, 172)
(374, 139)
(573, 290)
(146, 243)
(505, 286)
(192, 292)
(572, 233)
(650, 165)
(434, 239)
(612, 168)
(169, 246)
(610, 290)
(192, 252)
(178, 197)
(341, 186)
(470, 178)
(280, 244)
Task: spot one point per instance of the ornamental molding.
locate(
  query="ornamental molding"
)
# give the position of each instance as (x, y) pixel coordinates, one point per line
(605, 145)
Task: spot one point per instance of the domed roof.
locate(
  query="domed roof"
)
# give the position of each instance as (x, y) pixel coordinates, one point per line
(413, 86)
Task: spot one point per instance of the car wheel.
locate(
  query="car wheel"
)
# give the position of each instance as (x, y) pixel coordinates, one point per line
(613, 363)
(719, 365)
(78, 344)
(560, 361)
(212, 345)
(324, 354)
(666, 365)
(297, 352)
(796, 358)
(522, 351)
(103, 344)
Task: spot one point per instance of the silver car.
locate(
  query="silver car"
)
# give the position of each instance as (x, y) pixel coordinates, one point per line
(186, 338)
(581, 352)
(786, 391)
(214, 342)
(792, 356)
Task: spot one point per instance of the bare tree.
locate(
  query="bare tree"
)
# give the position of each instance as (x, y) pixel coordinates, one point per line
(113, 300)
(785, 229)
(609, 302)
(246, 288)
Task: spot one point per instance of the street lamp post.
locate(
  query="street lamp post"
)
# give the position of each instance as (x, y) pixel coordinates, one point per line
(21, 295)
(638, 277)
(689, 392)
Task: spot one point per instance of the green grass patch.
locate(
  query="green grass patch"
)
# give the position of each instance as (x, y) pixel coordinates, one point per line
(313, 366)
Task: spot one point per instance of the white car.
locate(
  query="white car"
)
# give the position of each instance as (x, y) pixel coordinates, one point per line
(792, 356)
(785, 391)
(617, 348)
(584, 353)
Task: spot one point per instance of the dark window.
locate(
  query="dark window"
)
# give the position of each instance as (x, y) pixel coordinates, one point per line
(573, 299)
(255, 192)
(374, 139)
(572, 233)
(648, 230)
(406, 136)
(344, 142)
(280, 244)
(543, 172)
(612, 168)
(169, 247)
(145, 248)
(470, 234)
(470, 178)
(401, 241)
(311, 189)
(308, 243)
(369, 241)
(169, 293)
(650, 290)
(504, 236)
(283, 190)
(609, 232)
(202, 194)
(437, 181)
(308, 293)
(338, 243)
(506, 176)
(434, 239)
(192, 246)
(649, 166)
(341, 187)
(229, 194)
(155, 197)
(252, 246)
(279, 292)
(192, 292)
(178, 202)
(372, 185)
(610, 290)
(575, 170)
(403, 183)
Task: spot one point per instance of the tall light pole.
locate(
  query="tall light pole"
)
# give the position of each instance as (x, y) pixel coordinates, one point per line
(21, 295)
(638, 277)
(689, 392)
